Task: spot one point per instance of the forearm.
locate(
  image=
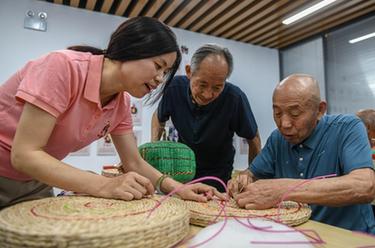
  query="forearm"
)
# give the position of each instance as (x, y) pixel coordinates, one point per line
(143, 168)
(252, 154)
(339, 191)
(157, 128)
(132, 161)
(254, 147)
(47, 169)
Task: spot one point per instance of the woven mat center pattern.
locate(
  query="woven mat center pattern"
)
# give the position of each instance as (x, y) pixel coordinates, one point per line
(73, 221)
(291, 213)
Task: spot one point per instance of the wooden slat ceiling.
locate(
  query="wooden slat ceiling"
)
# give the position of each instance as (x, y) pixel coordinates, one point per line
(256, 22)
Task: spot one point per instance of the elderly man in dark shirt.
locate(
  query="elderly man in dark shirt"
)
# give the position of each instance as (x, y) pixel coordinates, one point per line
(207, 111)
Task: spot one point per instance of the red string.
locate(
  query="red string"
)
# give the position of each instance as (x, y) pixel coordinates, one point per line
(38, 213)
(184, 186)
(221, 205)
(314, 240)
(317, 240)
(286, 194)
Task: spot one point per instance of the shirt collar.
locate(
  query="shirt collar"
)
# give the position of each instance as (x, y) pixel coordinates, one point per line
(94, 76)
(313, 140)
(207, 107)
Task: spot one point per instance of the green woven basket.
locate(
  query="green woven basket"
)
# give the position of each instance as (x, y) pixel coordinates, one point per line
(174, 159)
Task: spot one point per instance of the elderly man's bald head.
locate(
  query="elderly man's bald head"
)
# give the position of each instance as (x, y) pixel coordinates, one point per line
(300, 85)
(297, 107)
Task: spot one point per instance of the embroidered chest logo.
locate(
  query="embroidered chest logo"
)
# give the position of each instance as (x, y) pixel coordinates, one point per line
(104, 130)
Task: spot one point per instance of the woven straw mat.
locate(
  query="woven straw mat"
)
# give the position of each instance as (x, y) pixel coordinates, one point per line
(203, 214)
(77, 221)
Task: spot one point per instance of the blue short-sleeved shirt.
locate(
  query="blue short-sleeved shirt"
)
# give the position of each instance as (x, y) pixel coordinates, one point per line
(338, 145)
(208, 130)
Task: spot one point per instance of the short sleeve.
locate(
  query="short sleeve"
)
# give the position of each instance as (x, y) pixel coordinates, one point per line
(244, 123)
(46, 83)
(356, 151)
(126, 124)
(263, 165)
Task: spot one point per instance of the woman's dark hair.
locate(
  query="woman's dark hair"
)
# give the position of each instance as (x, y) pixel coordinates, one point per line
(140, 38)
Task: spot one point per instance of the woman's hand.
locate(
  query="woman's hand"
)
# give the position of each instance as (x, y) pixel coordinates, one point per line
(127, 187)
(200, 192)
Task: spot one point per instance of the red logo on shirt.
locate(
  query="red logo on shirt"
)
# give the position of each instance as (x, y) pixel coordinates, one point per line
(104, 130)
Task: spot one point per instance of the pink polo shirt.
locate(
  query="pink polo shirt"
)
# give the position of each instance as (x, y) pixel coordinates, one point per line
(66, 85)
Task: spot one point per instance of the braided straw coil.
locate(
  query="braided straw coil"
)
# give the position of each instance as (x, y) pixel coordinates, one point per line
(174, 159)
(113, 172)
(77, 221)
(204, 214)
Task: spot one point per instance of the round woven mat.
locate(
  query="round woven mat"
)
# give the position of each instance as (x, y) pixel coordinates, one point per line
(291, 213)
(77, 221)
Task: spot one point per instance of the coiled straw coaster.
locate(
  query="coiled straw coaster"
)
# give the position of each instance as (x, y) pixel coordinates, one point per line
(291, 213)
(77, 221)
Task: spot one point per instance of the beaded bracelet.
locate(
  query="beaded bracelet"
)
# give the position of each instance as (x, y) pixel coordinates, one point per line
(159, 182)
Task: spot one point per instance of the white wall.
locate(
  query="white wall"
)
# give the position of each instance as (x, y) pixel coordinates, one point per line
(305, 58)
(256, 69)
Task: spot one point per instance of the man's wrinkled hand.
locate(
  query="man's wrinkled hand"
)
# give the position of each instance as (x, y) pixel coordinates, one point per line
(262, 194)
(237, 184)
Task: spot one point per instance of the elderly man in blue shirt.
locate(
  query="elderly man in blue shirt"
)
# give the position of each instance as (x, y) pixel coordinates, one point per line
(309, 144)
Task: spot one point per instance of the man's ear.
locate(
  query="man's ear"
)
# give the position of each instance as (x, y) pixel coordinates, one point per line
(188, 71)
(322, 108)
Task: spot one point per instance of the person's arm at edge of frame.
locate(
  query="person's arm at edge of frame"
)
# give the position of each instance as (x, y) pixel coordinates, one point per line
(354, 188)
(132, 161)
(157, 127)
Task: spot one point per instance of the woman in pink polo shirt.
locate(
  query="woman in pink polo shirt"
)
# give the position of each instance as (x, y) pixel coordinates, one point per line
(66, 99)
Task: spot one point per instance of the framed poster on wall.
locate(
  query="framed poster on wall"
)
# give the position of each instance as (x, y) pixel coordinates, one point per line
(85, 151)
(105, 146)
(136, 111)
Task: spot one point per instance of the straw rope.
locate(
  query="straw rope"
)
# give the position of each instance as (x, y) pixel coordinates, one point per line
(113, 172)
(77, 221)
(116, 172)
(291, 213)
